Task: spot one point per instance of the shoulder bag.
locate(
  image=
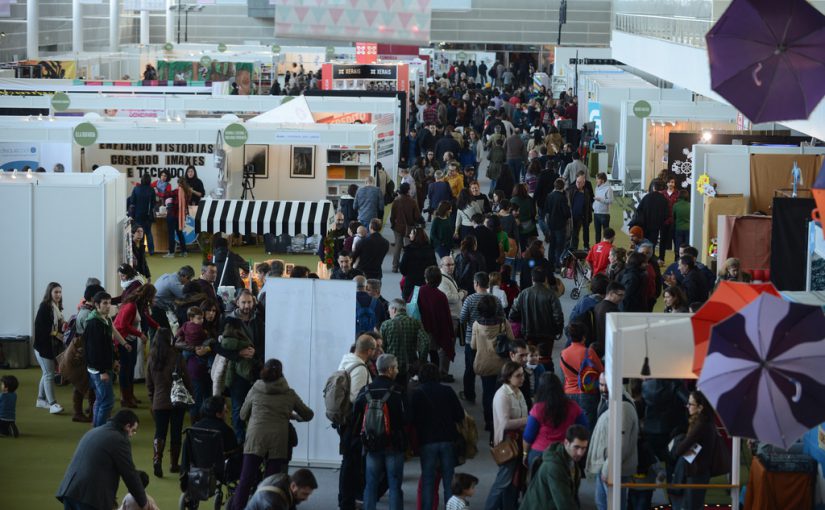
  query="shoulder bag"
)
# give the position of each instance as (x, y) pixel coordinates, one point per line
(179, 396)
(507, 450)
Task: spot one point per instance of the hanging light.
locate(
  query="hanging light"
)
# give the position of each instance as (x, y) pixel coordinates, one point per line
(14, 174)
(29, 173)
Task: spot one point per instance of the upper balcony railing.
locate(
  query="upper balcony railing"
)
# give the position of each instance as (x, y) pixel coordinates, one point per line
(679, 30)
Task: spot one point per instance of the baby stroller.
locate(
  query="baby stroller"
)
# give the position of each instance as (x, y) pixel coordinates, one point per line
(576, 269)
(205, 472)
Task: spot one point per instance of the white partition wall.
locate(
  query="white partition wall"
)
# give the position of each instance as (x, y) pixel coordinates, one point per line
(62, 228)
(309, 327)
(16, 257)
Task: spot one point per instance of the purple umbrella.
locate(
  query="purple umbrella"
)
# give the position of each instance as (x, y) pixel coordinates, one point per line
(767, 58)
(764, 371)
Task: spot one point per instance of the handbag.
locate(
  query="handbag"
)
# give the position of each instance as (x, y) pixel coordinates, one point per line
(465, 442)
(179, 395)
(720, 462)
(505, 451)
(412, 306)
(502, 344)
(292, 436)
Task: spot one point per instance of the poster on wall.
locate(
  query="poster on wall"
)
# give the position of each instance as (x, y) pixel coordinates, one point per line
(16, 155)
(241, 72)
(137, 159)
(53, 69)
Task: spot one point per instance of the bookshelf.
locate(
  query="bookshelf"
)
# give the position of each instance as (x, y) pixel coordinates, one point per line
(347, 165)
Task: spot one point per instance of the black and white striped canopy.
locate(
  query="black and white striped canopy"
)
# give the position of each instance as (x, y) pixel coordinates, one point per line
(261, 217)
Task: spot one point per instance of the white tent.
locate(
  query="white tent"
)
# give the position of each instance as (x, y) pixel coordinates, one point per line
(667, 342)
(294, 111)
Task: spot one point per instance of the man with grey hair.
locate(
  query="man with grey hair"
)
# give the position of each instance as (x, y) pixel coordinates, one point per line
(369, 202)
(405, 338)
(385, 452)
(169, 288)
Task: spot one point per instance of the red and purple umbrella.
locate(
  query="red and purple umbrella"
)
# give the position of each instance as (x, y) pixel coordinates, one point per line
(767, 58)
(764, 370)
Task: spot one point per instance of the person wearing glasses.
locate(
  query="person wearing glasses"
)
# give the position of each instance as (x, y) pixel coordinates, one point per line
(695, 451)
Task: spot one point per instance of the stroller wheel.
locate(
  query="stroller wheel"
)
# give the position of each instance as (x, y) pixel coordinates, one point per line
(187, 504)
(218, 499)
(575, 293)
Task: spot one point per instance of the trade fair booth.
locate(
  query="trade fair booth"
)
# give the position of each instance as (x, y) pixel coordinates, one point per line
(736, 180)
(58, 227)
(664, 343)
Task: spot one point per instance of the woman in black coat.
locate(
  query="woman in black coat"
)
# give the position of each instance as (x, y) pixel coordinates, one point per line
(197, 191)
(533, 257)
(139, 252)
(468, 262)
(506, 182)
(48, 334)
(633, 278)
(417, 256)
(702, 432)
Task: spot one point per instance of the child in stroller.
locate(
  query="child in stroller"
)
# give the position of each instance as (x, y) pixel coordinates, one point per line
(576, 268)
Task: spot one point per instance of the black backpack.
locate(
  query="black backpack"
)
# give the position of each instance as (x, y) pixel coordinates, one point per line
(376, 433)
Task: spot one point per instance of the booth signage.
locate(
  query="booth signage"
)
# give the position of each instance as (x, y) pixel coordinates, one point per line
(366, 52)
(364, 72)
(85, 134)
(206, 61)
(235, 135)
(60, 102)
(276, 48)
(330, 51)
(168, 46)
(221, 47)
(462, 56)
(642, 109)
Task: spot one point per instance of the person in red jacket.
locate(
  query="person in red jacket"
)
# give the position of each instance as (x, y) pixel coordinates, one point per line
(436, 318)
(131, 318)
(600, 252)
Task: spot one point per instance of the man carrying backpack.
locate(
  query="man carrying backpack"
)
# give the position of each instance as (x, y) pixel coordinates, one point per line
(369, 312)
(581, 367)
(352, 376)
(380, 411)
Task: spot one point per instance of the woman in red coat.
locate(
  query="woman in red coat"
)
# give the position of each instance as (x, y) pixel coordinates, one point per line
(438, 323)
(134, 310)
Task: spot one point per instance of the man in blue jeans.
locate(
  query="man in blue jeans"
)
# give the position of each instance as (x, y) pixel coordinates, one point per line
(100, 355)
(385, 448)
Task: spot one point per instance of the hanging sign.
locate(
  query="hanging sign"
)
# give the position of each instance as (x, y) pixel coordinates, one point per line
(235, 135)
(642, 109)
(366, 52)
(60, 102)
(85, 134)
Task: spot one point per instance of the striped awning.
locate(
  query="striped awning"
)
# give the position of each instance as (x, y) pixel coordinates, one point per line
(261, 217)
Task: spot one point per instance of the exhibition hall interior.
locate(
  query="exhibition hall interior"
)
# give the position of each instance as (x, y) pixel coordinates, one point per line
(412, 254)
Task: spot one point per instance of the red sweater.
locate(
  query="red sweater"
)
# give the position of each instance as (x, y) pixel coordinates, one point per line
(124, 322)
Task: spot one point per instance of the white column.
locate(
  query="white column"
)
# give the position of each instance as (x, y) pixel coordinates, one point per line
(170, 21)
(114, 26)
(32, 29)
(77, 27)
(144, 27)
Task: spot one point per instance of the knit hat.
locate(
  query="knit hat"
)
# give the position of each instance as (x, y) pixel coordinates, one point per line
(637, 231)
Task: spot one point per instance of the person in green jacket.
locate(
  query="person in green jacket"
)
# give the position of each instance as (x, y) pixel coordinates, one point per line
(555, 485)
(441, 230)
(681, 221)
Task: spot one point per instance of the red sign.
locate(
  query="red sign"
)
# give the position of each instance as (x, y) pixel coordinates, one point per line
(366, 52)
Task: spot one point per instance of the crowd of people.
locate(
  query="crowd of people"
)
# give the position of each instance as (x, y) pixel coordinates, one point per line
(486, 273)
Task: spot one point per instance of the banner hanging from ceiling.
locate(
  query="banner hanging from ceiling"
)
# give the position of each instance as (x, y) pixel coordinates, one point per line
(381, 20)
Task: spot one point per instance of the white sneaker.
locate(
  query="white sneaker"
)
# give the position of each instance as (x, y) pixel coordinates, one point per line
(55, 408)
(41, 404)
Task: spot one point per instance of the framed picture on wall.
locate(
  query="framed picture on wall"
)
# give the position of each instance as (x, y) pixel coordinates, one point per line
(302, 163)
(257, 156)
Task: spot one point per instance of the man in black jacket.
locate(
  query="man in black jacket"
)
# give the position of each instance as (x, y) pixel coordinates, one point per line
(100, 355)
(103, 456)
(652, 212)
(556, 214)
(486, 242)
(580, 197)
(283, 492)
(386, 454)
(370, 252)
(435, 411)
(544, 186)
(693, 282)
(610, 303)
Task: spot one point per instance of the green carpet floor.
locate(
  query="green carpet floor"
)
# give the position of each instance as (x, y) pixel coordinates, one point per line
(32, 465)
